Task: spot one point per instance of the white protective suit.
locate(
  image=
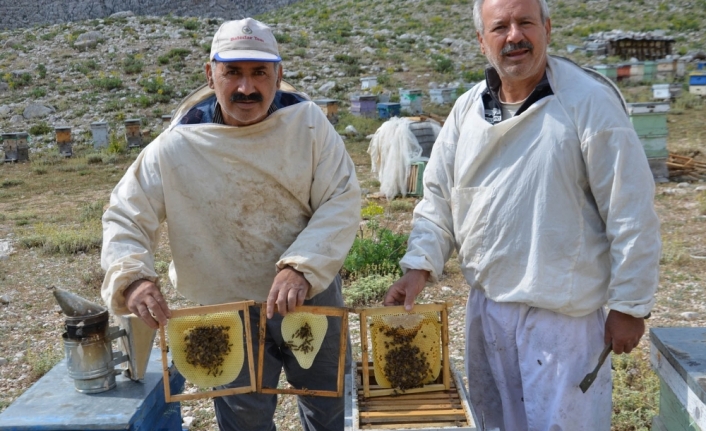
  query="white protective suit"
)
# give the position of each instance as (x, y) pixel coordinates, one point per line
(241, 202)
(552, 208)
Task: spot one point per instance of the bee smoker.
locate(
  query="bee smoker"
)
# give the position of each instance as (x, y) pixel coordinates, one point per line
(90, 358)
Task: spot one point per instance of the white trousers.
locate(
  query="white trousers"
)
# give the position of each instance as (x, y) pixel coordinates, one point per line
(524, 366)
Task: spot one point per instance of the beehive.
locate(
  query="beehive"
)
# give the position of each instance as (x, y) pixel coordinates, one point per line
(9, 146)
(133, 134)
(208, 348)
(64, 141)
(99, 130)
(411, 101)
(409, 349)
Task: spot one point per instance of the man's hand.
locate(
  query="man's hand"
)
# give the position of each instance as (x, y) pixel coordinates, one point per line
(288, 291)
(144, 299)
(623, 331)
(404, 290)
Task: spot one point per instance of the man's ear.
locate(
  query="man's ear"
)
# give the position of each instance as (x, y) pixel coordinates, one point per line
(480, 41)
(209, 74)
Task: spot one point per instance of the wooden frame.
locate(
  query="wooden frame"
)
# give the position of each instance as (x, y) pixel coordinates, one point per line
(231, 306)
(420, 308)
(438, 410)
(343, 345)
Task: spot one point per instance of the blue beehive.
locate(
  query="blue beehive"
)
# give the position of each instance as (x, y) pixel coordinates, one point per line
(388, 110)
(363, 105)
(697, 83)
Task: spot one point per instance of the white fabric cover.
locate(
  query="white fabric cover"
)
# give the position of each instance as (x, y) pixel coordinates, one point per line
(240, 202)
(552, 208)
(392, 149)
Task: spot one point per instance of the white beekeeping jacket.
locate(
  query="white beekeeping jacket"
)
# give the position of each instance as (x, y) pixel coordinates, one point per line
(240, 203)
(552, 208)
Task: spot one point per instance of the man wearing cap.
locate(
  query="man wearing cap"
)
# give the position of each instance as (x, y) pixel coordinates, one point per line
(262, 203)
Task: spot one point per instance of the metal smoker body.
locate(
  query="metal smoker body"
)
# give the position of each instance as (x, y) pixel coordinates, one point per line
(90, 358)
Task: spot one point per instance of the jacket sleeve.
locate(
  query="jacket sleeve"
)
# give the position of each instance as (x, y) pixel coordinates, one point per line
(320, 249)
(431, 241)
(622, 185)
(130, 229)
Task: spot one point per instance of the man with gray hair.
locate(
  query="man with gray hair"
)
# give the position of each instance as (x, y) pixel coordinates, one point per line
(261, 203)
(540, 183)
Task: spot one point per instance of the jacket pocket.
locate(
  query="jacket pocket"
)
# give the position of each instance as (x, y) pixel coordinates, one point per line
(470, 207)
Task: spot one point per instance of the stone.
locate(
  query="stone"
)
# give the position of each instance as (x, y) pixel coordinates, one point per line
(5, 299)
(350, 130)
(4, 109)
(16, 119)
(4, 87)
(697, 189)
(123, 14)
(3, 362)
(683, 185)
(325, 88)
(90, 35)
(689, 315)
(37, 111)
(85, 44)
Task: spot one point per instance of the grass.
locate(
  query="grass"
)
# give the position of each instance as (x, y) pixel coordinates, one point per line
(64, 240)
(43, 361)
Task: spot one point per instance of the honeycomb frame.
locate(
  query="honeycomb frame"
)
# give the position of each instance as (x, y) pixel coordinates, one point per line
(366, 313)
(208, 309)
(342, 313)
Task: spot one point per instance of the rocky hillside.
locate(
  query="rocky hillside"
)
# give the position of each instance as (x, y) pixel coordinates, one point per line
(129, 66)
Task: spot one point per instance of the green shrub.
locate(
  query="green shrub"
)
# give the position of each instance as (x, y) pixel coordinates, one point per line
(94, 158)
(116, 145)
(367, 290)
(283, 38)
(42, 362)
(132, 65)
(371, 210)
(10, 183)
(635, 392)
(41, 70)
(64, 240)
(92, 211)
(379, 253)
(401, 205)
(345, 58)
(173, 54)
(38, 92)
(442, 64)
(107, 82)
(42, 128)
(191, 24)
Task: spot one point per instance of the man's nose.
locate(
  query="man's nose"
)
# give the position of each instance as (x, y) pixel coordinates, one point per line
(245, 85)
(514, 33)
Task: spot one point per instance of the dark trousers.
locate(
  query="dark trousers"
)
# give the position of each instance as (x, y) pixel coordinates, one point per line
(255, 412)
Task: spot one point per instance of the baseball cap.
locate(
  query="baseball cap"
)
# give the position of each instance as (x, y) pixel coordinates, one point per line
(244, 40)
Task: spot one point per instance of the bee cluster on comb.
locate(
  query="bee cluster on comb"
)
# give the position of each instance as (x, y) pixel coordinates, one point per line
(207, 346)
(303, 334)
(406, 350)
(207, 349)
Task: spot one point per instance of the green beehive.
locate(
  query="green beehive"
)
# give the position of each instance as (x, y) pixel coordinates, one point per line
(649, 71)
(610, 71)
(650, 123)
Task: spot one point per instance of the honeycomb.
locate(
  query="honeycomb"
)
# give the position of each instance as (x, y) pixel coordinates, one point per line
(406, 349)
(303, 333)
(207, 349)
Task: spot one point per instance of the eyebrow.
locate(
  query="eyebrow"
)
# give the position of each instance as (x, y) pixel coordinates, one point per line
(234, 66)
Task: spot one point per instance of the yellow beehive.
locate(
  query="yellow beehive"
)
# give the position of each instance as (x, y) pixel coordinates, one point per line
(207, 349)
(406, 349)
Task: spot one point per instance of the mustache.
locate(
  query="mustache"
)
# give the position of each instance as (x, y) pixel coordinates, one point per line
(241, 97)
(525, 44)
